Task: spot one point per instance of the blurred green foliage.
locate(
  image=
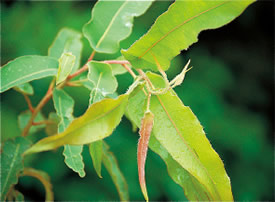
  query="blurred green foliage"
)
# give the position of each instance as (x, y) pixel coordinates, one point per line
(229, 89)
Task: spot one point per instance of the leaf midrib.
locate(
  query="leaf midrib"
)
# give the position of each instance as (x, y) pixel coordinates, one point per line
(179, 26)
(188, 147)
(110, 25)
(11, 165)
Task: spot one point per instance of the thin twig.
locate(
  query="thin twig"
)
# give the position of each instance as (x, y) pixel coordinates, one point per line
(28, 102)
(116, 62)
(129, 70)
(42, 123)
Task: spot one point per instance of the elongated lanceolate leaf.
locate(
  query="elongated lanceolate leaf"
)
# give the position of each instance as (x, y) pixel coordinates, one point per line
(110, 162)
(25, 69)
(178, 28)
(67, 40)
(98, 122)
(64, 105)
(25, 88)
(111, 22)
(12, 163)
(66, 64)
(145, 132)
(178, 130)
(96, 153)
(43, 178)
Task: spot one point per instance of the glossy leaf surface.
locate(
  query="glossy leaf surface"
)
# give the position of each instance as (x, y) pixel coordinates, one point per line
(64, 105)
(44, 178)
(25, 69)
(180, 133)
(67, 40)
(98, 122)
(66, 64)
(111, 22)
(96, 153)
(178, 28)
(111, 164)
(25, 88)
(12, 163)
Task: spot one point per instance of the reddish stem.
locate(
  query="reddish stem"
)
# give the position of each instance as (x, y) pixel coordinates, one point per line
(29, 103)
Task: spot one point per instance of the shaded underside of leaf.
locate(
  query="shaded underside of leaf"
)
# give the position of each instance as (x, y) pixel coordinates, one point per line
(178, 28)
(12, 163)
(67, 40)
(96, 153)
(111, 22)
(25, 88)
(98, 122)
(26, 68)
(180, 133)
(111, 164)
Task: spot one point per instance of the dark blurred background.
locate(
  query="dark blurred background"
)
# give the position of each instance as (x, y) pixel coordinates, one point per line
(230, 89)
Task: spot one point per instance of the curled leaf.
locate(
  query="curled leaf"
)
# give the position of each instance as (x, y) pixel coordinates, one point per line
(145, 131)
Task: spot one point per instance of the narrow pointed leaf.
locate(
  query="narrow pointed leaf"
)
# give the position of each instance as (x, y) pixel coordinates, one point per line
(96, 153)
(44, 178)
(180, 133)
(111, 22)
(64, 105)
(66, 64)
(25, 69)
(67, 40)
(100, 74)
(178, 28)
(110, 162)
(25, 88)
(98, 122)
(145, 132)
(12, 163)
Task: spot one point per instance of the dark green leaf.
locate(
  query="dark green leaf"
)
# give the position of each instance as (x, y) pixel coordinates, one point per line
(52, 126)
(111, 22)
(67, 40)
(98, 122)
(24, 118)
(25, 69)
(178, 28)
(12, 163)
(110, 162)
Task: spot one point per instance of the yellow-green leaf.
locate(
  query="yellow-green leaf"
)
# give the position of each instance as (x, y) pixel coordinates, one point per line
(111, 22)
(66, 64)
(178, 130)
(98, 122)
(178, 28)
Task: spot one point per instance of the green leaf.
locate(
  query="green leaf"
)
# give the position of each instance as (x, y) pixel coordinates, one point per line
(12, 163)
(98, 122)
(178, 130)
(66, 64)
(111, 22)
(110, 162)
(64, 105)
(67, 40)
(194, 191)
(52, 126)
(118, 68)
(178, 28)
(74, 159)
(44, 178)
(25, 69)
(100, 74)
(24, 118)
(96, 153)
(24, 88)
